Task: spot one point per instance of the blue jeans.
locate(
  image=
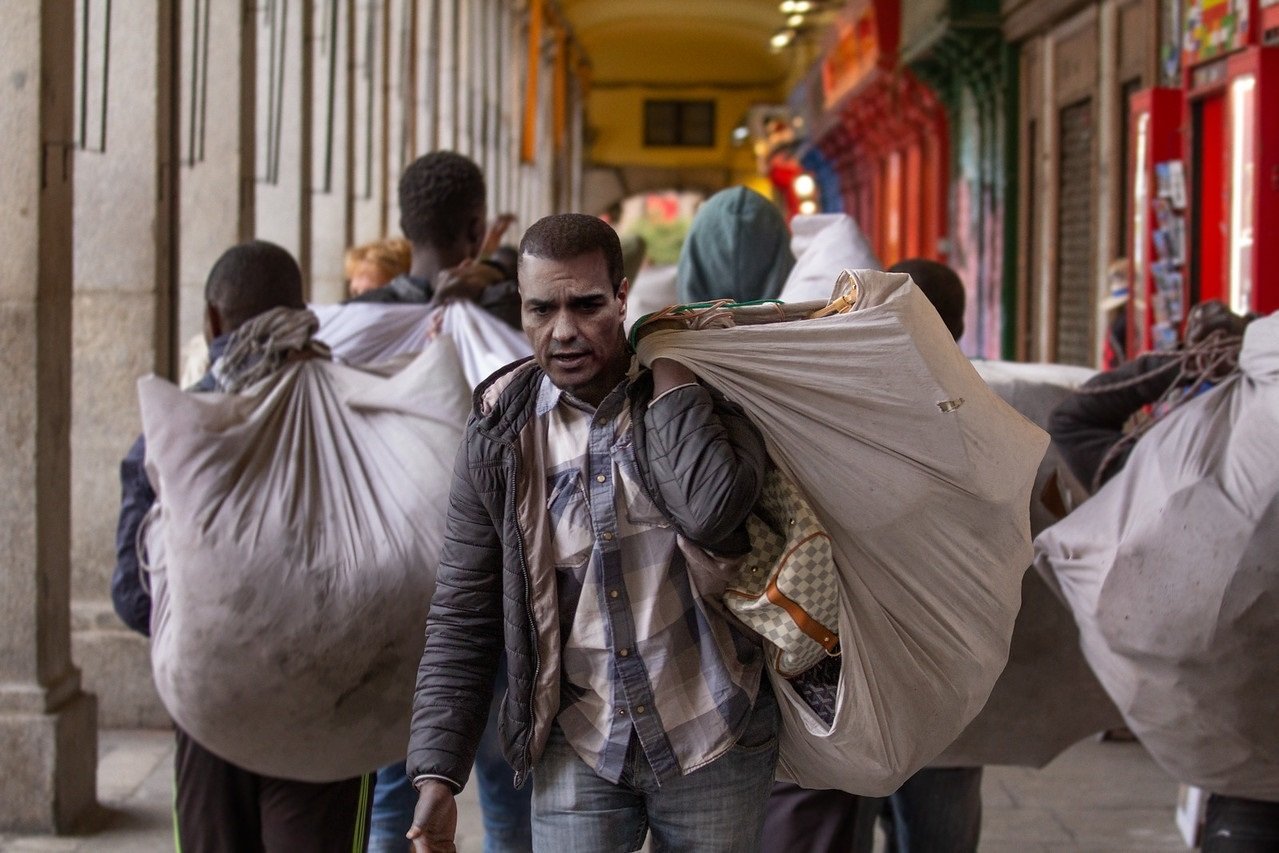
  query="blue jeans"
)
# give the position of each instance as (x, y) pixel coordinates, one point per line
(938, 810)
(719, 807)
(506, 811)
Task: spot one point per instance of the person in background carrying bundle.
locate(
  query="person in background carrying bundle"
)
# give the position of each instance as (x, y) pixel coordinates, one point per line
(589, 498)
(218, 806)
(737, 248)
(1096, 430)
(443, 215)
(1089, 426)
(373, 265)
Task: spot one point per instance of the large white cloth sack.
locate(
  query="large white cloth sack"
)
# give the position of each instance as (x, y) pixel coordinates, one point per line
(922, 476)
(1047, 697)
(293, 551)
(1172, 571)
(369, 333)
(823, 242)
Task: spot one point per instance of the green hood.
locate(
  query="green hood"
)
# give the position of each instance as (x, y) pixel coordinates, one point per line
(737, 248)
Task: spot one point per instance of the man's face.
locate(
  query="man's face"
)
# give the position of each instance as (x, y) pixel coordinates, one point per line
(574, 322)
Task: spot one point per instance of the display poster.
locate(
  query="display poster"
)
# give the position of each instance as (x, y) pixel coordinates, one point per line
(854, 54)
(1214, 27)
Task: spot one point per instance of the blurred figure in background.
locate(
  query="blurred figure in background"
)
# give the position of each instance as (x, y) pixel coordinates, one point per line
(443, 213)
(634, 251)
(1116, 307)
(373, 265)
(738, 248)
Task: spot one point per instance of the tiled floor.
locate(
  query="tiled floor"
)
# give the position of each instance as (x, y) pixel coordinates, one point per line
(1095, 797)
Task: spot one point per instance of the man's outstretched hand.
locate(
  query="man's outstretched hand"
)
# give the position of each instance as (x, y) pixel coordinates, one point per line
(434, 819)
(466, 281)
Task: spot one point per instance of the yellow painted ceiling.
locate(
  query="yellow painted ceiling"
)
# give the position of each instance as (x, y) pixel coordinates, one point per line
(677, 43)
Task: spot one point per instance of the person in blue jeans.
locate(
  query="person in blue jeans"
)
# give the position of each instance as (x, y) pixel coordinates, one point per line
(505, 809)
(589, 500)
(443, 215)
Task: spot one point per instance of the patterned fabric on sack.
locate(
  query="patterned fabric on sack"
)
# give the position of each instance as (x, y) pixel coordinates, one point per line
(787, 590)
(819, 687)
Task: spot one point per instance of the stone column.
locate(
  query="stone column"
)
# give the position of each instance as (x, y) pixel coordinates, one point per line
(331, 209)
(368, 173)
(398, 35)
(48, 733)
(125, 279)
(216, 120)
(284, 114)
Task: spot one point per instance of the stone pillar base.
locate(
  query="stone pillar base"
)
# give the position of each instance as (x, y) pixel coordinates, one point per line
(49, 779)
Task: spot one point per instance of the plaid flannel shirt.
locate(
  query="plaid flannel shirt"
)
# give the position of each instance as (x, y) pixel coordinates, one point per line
(643, 652)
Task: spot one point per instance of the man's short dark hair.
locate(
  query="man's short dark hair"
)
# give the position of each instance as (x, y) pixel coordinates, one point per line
(943, 288)
(441, 193)
(564, 236)
(252, 278)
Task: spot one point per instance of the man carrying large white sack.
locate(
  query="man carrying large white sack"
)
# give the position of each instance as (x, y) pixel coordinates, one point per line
(220, 806)
(599, 521)
(1170, 567)
(636, 699)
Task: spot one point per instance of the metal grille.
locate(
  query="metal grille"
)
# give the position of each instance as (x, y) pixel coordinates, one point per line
(1074, 314)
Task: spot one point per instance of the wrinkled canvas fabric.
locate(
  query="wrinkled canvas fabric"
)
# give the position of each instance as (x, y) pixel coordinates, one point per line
(922, 476)
(823, 242)
(1172, 572)
(293, 549)
(1047, 697)
(370, 333)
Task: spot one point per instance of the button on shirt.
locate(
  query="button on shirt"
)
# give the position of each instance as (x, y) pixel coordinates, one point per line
(643, 652)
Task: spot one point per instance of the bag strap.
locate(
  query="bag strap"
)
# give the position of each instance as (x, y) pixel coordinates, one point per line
(814, 630)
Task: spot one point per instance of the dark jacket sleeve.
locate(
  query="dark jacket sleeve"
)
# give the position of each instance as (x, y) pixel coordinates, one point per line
(707, 461)
(502, 300)
(1088, 423)
(464, 639)
(132, 601)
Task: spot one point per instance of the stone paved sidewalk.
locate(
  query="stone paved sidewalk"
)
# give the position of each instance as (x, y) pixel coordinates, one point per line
(1096, 797)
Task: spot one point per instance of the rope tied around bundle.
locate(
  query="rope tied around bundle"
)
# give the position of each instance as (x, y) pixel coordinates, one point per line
(266, 343)
(1208, 362)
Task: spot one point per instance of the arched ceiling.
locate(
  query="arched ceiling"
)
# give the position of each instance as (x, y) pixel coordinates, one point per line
(677, 43)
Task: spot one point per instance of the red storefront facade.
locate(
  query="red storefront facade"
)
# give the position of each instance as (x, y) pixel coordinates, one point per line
(885, 134)
(1211, 189)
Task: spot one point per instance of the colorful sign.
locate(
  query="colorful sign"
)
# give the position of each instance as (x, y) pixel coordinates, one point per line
(1214, 27)
(853, 56)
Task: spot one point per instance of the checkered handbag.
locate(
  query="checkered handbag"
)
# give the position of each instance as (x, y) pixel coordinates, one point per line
(786, 589)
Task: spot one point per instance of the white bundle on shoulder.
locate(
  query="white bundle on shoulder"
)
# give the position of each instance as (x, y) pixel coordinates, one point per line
(372, 333)
(1047, 697)
(922, 477)
(823, 242)
(293, 548)
(1172, 571)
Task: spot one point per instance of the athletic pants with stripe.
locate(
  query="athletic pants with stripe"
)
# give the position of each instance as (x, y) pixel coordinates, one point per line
(222, 808)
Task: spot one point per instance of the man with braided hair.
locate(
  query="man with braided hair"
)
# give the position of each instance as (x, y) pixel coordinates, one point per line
(443, 215)
(218, 806)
